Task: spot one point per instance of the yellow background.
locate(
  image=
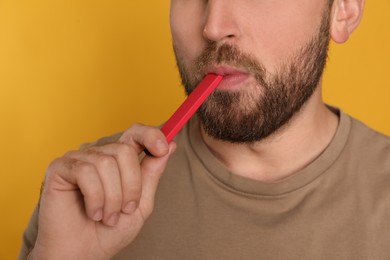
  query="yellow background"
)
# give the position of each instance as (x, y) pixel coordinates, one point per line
(74, 70)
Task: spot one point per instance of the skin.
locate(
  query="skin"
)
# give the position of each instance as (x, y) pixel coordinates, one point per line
(259, 102)
(226, 22)
(105, 194)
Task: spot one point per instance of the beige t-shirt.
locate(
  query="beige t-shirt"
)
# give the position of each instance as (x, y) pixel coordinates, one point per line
(338, 207)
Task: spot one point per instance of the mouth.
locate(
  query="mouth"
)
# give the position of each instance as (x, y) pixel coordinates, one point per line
(233, 78)
(224, 71)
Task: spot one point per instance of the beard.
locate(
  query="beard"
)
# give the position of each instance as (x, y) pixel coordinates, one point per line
(255, 113)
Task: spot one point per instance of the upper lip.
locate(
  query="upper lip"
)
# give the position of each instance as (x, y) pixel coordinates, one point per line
(224, 70)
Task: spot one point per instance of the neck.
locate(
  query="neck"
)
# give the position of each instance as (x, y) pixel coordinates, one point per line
(285, 152)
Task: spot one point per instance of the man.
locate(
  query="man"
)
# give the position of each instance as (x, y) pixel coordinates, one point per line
(264, 171)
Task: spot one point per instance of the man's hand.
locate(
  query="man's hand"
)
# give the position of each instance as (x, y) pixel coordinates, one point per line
(96, 201)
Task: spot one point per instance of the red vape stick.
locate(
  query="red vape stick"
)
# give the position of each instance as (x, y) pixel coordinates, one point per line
(190, 105)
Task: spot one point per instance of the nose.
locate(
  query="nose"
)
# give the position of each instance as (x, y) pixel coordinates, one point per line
(220, 23)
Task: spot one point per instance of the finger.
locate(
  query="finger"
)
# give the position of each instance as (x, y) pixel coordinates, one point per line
(108, 171)
(140, 137)
(152, 169)
(66, 174)
(130, 173)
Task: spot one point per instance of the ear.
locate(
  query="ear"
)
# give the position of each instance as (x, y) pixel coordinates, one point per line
(346, 16)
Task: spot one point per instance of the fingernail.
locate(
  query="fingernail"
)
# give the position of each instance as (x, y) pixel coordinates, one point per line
(98, 215)
(113, 220)
(130, 207)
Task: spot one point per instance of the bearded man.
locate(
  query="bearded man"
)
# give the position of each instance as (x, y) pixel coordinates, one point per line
(265, 170)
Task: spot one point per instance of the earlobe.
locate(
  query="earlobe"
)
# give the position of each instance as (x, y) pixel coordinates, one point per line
(346, 16)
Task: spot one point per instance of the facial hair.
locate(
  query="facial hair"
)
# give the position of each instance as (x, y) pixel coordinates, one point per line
(253, 114)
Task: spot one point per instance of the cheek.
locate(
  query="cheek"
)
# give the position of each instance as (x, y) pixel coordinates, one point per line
(186, 28)
(281, 29)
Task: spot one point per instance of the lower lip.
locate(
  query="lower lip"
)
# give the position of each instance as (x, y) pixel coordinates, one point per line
(233, 81)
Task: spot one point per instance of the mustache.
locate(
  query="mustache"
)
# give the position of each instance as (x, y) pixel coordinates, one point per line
(226, 54)
(216, 54)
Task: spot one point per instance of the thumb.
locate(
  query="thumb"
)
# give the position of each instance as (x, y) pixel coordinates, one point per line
(152, 169)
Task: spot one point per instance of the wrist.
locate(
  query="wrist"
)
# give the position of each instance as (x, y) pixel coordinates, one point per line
(42, 254)
(35, 254)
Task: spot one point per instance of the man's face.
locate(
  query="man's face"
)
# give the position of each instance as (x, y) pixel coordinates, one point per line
(271, 53)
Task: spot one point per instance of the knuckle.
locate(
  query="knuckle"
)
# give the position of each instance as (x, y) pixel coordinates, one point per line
(151, 132)
(134, 128)
(125, 150)
(143, 130)
(106, 162)
(53, 168)
(136, 125)
(55, 164)
(69, 153)
(85, 168)
(61, 163)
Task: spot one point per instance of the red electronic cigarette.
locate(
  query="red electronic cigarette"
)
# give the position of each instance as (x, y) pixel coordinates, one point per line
(188, 108)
